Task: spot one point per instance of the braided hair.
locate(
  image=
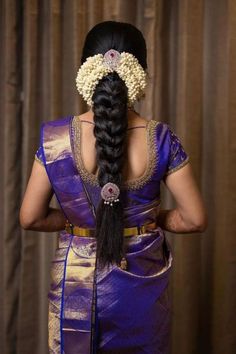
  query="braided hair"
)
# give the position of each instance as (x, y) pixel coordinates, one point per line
(110, 105)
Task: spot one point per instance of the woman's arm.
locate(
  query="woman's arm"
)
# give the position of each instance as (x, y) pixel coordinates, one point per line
(190, 214)
(35, 212)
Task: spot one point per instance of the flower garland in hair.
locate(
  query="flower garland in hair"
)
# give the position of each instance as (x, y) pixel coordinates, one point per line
(125, 64)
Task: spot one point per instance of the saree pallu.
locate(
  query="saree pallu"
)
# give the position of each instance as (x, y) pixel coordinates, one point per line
(108, 310)
(132, 306)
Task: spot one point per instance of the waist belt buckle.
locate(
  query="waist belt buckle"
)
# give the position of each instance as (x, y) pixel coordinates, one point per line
(142, 229)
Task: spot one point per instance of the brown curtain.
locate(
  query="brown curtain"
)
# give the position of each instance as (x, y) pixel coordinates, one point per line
(191, 57)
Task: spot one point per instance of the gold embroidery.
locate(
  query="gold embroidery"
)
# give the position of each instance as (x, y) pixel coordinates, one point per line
(37, 159)
(182, 164)
(133, 184)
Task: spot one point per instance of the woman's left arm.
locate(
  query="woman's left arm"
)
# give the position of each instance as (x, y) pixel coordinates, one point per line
(35, 212)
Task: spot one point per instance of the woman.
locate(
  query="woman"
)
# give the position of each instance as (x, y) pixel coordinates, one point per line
(110, 273)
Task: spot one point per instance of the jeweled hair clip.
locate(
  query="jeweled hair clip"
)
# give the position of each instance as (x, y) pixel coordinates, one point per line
(111, 59)
(110, 192)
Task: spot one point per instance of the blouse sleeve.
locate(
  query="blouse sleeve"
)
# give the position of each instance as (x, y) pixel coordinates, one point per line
(178, 157)
(38, 156)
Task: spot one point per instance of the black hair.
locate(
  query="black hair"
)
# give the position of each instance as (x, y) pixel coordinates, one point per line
(110, 104)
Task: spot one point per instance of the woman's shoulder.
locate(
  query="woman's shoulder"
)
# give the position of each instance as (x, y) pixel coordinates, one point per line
(166, 137)
(160, 124)
(164, 129)
(157, 122)
(55, 129)
(58, 121)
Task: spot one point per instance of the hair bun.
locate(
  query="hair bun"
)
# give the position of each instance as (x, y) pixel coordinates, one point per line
(97, 66)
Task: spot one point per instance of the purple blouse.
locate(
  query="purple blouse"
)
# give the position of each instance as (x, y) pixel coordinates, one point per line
(177, 158)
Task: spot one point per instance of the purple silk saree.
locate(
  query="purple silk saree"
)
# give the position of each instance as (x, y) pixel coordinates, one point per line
(94, 310)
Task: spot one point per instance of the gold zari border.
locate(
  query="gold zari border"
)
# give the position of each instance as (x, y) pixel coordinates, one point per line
(182, 164)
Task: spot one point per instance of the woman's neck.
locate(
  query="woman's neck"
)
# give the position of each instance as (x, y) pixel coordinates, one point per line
(130, 112)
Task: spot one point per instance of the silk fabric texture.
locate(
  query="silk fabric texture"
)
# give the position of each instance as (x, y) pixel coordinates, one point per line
(132, 312)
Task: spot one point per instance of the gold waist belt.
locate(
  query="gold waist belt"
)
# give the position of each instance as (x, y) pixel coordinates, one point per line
(128, 231)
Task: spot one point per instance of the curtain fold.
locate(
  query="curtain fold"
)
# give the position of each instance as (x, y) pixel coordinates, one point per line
(191, 63)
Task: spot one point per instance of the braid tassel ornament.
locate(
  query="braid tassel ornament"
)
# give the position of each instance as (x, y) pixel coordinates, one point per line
(109, 193)
(123, 263)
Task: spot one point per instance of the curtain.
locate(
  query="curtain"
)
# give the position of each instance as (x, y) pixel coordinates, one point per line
(191, 62)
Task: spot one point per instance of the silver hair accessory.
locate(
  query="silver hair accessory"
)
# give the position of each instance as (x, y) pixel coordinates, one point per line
(110, 192)
(111, 59)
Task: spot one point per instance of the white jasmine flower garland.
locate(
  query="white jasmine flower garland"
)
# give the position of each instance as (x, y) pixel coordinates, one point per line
(97, 66)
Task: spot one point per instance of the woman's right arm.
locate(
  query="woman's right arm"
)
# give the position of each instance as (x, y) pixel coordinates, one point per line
(190, 214)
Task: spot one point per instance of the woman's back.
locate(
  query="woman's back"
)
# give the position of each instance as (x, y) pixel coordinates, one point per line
(136, 152)
(153, 151)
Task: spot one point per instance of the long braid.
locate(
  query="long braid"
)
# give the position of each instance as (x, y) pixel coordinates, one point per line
(110, 117)
(111, 95)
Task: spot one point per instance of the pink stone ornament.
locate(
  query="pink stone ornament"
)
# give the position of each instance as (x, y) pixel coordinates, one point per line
(110, 192)
(111, 59)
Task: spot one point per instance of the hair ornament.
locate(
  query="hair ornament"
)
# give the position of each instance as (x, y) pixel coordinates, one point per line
(97, 66)
(111, 59)
(110, 192)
